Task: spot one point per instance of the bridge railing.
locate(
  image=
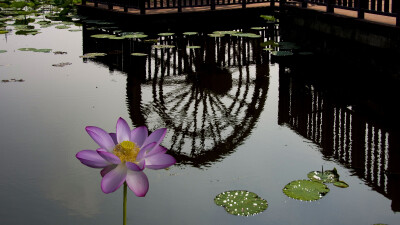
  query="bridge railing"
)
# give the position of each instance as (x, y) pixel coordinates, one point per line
(389, 8)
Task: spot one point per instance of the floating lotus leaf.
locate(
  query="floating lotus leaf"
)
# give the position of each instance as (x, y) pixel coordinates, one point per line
(116, 38)
(190, 33)
(241, 203)
(305, 190)
(3, 51)
(62, 27)
(26, 49)
(4, 31)
(281, 53)
(216, 35)
(257, 28)
(341, 184)
(166, 34)
(44, 50)
(62, 64)
(225, 32)
(92, 55)
(59, 53)
(151, 40)
(250, 35)
(135, 36)
(74, 30)
(102, 35)
(268, 18)
(193, 47)
(268, 49)
(327, 176)
(13, 80)
(163, 46)
(44, 22)
(27, 32)
(271, 43)
(68, 23)
(138, 54)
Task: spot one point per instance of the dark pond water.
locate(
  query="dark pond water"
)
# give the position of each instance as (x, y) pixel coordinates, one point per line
(238, 118)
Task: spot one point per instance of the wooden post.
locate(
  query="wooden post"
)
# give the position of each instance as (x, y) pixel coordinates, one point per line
(179, 5)
(212, 4)
(361, 8)
(244, 4)
(142, 7)
(330, 6)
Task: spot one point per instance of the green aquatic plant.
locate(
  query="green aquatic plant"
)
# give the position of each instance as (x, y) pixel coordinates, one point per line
(3, 51)
(257, 28)
(4, 31)
(166, 34)
(102, 35)
(216, 35)
(190, 33)
(193, 47)
(341, 184)
(241, 202)
(268, 18)
(44, 50)
(135, 36)
(327, 176)
(271, 43)
(138, 54)
(62, 64)
(305, 190)
(62, 27)
(92, 55)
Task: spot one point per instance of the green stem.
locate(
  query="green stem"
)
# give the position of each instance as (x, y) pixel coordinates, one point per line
(125, 193)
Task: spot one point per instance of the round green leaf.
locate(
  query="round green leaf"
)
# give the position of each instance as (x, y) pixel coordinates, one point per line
(327, 176)
(216, 35)
(4, 31)
(62, 27)
(190, 33)
(138, 54)
(257, 28)
(341, 184)
(102, 35)
(45, 50)
(163, 46)
(3, 51)
(92, 55)
(166, 34)
(241, 203)
(193, 47)
(305, 190)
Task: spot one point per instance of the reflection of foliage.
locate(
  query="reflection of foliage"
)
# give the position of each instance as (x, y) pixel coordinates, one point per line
(241, 203)
(305, 190)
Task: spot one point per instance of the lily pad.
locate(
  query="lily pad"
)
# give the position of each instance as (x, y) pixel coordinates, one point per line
(62, 64)
(138, 54)
(193, 47)
(62, 27)
(282, 53)
(74, 30)
(327, 176)
(190, 33)
(268, 49)
(26, 49)
(226, 32)
(268, 18)
(44, 50)
(341, 184)
(3, 51)
(135, 36)
(27, 32)
(151, 40)
(165, 34)
(305, 190)
(241, 202)
(59, 53)
(102, 35)
(257, 28)
(271, 43)
(163, 46)
(92, 55)
(250, 35)
(4, 31)
(216, 35)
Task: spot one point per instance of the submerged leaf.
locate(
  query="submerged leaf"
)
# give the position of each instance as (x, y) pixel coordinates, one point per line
(341, 184)
(241, 203)
(305, 190)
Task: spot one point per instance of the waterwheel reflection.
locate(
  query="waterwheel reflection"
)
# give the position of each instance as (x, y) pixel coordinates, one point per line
(210, 96)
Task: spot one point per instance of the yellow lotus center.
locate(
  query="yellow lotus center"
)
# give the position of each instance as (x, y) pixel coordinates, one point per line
(126, 151)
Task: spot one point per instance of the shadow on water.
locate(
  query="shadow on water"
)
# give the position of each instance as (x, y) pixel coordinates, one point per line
(211, 100)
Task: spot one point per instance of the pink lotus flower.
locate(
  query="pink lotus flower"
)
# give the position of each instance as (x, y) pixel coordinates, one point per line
(124, 155)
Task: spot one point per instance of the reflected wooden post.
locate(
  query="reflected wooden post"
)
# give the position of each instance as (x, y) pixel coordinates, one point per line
(394, 170)
(396, 9)
(330, 6)
(358, 144)
(142, 7)
(244, 4)
(212, 4)
(361, 6)
(179, 5)
(304, 4)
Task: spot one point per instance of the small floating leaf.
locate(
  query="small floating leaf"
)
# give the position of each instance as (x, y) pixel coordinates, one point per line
(135, 36)
(92, 55)
(193, 47)
(59, 53)
(268, 17)
(4, 31)
(26, 49)
(271, 43)
(138, 54)
(341, 184)
(13, 80)
(268, 49)
(151, 40)
(62, 27)
(3, 51)
(45, 50)
(74, 30)
(62, 64)
(281, 53)
(327, 176)
(190, 33)
(226, 32)
(241, 202)
(165, 34)
(163, 46)
(102, 35)
(216, 35)
(257, 28)
(305, 190)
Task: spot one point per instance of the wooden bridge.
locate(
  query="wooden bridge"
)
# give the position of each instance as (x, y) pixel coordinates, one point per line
(386, 11)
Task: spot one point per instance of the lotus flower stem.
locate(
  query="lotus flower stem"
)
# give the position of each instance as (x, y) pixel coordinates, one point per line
(125, 193)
